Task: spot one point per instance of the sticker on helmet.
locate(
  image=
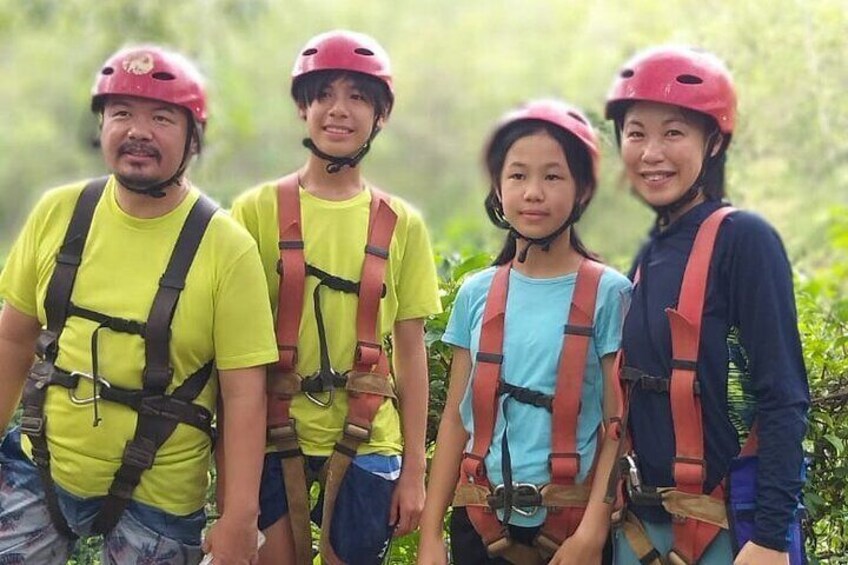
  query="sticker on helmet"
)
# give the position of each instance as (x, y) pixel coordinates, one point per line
(138, 63)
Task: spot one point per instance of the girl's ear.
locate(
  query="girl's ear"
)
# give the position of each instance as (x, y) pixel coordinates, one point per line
(301, 112)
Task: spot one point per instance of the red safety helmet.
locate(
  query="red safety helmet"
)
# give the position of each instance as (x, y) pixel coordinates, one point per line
(344, 51)
(148, 71)
(559, 114)
(682, 76)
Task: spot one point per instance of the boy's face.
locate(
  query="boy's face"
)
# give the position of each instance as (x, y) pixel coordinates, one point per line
(340, 119)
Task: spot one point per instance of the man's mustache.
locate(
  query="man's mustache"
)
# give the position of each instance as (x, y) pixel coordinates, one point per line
(139, 148)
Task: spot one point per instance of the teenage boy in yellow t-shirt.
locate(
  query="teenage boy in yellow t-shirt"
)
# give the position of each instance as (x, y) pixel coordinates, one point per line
(343, 90)
(129, 288)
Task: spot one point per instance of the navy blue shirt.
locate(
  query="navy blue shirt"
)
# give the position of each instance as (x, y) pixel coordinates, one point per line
(749, 328)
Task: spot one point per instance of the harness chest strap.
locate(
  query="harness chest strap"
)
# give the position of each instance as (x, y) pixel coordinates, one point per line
(367, 384)
(565, 500)
(159, 413)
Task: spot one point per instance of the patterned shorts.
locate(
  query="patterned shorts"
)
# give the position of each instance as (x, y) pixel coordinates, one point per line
(143, 535)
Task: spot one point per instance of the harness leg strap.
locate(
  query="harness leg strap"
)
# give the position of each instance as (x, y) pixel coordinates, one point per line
(337, 467)
(284, 439)
(639, 541)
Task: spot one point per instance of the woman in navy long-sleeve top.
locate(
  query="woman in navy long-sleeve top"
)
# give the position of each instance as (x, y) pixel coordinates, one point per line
(674, 113)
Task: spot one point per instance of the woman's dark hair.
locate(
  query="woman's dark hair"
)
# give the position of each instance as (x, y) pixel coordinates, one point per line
(712, 175)
(579, 163)
(307, 88)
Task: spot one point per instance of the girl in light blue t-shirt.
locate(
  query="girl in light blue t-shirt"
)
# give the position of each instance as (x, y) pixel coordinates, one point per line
(542, 160)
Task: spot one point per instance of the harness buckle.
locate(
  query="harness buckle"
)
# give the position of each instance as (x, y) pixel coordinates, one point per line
(564, 465)
(140, 453)
(46, 344)
(94, 380)
(357, 432)
(32, 425)
(526, 499)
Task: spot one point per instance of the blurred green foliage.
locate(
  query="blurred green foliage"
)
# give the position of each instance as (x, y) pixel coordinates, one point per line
(457, 67)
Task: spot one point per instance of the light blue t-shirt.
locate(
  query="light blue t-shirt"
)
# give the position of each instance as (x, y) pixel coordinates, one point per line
(536, 313)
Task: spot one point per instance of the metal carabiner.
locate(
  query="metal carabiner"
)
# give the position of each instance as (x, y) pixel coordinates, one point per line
(91, 399)
(318, 402)
(521, 509)
(326, 379)
(526, 511)
(634, 478)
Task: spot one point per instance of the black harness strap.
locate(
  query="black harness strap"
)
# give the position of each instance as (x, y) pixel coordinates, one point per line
(61, 285)
(56, 304)
(158, 415)
(527, 395)
(157, 372)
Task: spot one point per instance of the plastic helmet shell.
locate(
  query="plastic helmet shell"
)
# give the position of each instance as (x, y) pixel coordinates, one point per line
(560, 114)
(149, 71)
(344, 51)
(682, 76)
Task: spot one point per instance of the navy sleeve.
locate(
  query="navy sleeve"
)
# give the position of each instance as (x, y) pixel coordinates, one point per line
(762, 306)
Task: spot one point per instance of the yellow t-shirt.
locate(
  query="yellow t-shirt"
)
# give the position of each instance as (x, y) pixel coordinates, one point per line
(335, 234)
(222, 313)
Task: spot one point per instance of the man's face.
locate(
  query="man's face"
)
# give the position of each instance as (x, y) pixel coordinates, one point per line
(143, 140)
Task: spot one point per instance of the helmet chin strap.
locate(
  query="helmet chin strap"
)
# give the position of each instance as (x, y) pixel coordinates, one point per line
(545, 242)
(336, 163)
(665, 211)
(157, 190)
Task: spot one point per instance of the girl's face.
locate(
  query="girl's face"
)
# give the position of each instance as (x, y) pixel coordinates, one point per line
(663, 151)
(537, 189)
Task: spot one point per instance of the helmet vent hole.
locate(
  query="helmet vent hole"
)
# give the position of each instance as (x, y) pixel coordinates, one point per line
(627, 73)
(578, 117)
(363, 51)
(689, 79)
(107, 71)
(161, 75)
(310, 51)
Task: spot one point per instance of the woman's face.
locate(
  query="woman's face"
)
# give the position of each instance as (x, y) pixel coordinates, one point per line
(537, 188)
(663, 151)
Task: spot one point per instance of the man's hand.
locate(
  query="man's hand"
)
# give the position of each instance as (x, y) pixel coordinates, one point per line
(233, 542)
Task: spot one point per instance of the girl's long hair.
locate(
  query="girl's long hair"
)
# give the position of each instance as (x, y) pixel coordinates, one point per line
(579, 163)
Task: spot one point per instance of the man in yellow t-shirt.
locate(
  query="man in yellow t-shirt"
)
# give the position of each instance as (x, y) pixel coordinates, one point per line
(129, 289)
(342, 88)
